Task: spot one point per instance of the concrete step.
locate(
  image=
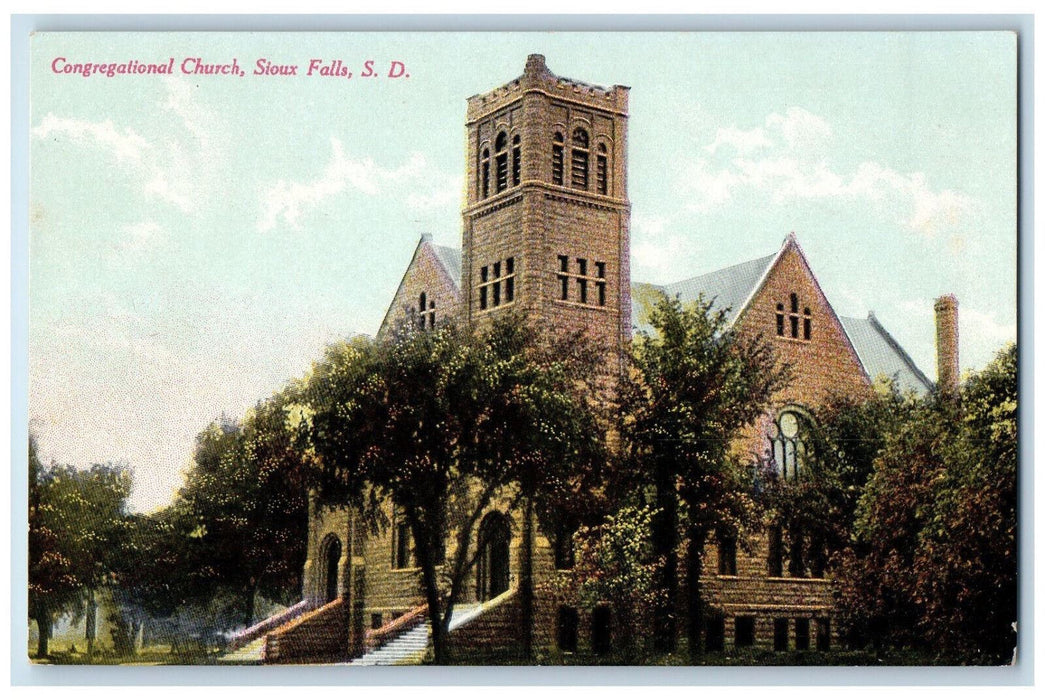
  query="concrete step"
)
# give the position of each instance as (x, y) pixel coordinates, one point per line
(410, 646)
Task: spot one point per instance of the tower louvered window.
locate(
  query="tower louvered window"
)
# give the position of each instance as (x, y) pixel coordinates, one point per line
(516, 159)
(557, 159)
(579, 160)
(484, 180)
(501, 156)
(601, 170)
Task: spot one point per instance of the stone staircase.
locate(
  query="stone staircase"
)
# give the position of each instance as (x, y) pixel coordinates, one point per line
(409, 646)
(248, 646)
(319, 636)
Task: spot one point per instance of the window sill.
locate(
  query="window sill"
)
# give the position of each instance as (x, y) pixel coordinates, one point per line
(503, 305)
(796, 579)
(580, 305)
(789, 339)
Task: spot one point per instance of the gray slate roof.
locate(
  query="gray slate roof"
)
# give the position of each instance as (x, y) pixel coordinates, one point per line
(880, 354)
(731, 287)
(451, 260)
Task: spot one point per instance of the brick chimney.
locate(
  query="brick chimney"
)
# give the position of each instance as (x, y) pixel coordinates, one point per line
(946, 308)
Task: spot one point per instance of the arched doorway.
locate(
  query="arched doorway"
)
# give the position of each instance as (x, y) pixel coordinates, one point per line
(331, 561)
(494, 566)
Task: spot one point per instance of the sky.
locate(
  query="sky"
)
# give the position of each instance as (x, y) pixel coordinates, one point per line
(197, 240)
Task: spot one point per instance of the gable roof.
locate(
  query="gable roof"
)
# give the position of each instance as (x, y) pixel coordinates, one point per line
(450, 258)
(729, 288)
(733, 288)
(880, 354)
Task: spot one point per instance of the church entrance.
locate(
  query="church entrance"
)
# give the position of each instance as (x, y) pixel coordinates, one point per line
(331, 560)
(493, 571)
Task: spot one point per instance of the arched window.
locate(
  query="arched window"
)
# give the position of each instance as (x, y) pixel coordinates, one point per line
(579, 159)
(602, 170)
(791, 440)
(557, 158)
(727, 554)
(501, 155)
(484, 180)
(516, 160)
(331, 559)
(425, 312)
(493, 570)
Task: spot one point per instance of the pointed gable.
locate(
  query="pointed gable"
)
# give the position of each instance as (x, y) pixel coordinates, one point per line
(435, 272)
(790, 309)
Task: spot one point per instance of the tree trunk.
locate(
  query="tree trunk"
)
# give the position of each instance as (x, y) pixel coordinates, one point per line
(90, 624)
(694, 574)
(526, 601)
(43, 627)
(627, 631)
(249, 595)
(139, 636)
(438, 619)
(665, 544)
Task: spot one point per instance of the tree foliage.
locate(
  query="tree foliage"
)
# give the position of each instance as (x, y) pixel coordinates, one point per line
(242, 516)
(818, 510)
(933, 563)
(695, 383)
(76, 520)
(444, 424)
(615, 565)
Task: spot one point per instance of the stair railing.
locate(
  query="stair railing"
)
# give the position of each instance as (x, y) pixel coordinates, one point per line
(403, 623)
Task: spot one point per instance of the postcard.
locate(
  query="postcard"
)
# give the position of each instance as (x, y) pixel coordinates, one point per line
(594, 348)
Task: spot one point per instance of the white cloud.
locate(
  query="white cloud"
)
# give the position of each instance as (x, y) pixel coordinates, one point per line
(742, 141)
(127, 146)
(289, 200)
(179, 167)
(786, 160)
(662, 257)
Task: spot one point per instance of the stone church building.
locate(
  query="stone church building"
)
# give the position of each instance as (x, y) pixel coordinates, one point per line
(546, 231)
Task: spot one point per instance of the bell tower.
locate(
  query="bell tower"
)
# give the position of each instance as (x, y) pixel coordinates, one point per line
(546, 216)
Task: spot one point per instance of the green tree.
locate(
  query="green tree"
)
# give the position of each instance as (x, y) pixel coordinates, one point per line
(695, 383)
(818, 510)
(442, 424)
(933, 564)
(76, 519)
(246, 498)
(615, 565)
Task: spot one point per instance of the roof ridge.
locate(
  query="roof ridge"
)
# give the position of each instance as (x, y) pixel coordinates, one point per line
(718, 270)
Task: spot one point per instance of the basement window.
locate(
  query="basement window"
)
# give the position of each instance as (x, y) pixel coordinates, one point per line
(743, 631)
(802, 633)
